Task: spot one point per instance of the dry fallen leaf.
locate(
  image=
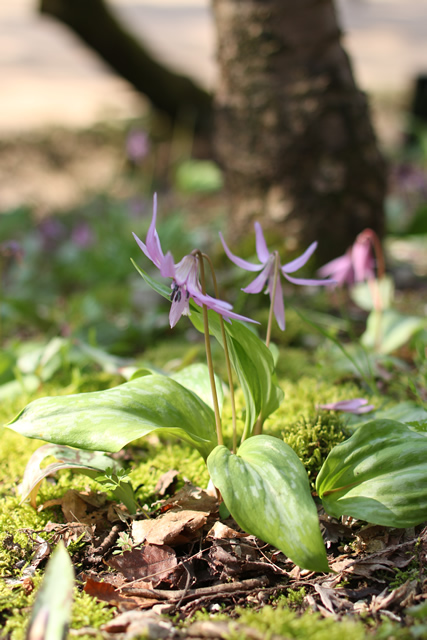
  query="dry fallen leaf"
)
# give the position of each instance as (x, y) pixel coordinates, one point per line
(151, 564)
(165, 482)
(220, 531)
(106, 592)
(78, 506)
(173, 527)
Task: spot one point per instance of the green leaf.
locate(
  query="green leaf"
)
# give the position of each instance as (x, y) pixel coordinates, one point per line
(389, 330)
(253, 363)
(198, 176)
(108, 420)
(362, 293)
(161, 289)
(51, 612)
(405, 412)
(378, 475)
(265, 487)
(195, 377)
(67, 459)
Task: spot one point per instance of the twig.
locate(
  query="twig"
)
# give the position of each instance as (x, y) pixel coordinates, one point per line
(185, 594)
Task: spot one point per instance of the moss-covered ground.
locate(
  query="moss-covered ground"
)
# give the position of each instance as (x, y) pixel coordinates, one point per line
(310, 433)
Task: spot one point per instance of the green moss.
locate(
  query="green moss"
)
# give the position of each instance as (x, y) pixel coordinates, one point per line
(15, 608)
(282, 621)
(88, 612)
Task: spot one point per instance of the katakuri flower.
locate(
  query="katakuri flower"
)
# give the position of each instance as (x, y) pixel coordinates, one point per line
(268, 269)
(185, 278)
(356, 265)
(356, 405)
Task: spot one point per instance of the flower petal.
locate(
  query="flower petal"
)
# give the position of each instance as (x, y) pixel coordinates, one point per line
(356, 405)
(143, 247)
(363, 262)
(179, 307)
(279, 305)
(243, 264)
(152, 240)
(257, 285)
(261, 245)
(309, 282)
(296, 264)
(167, 266)
(341, 269)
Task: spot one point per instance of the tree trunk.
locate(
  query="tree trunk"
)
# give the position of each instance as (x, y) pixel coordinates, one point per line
(293, 131)
(97, 26)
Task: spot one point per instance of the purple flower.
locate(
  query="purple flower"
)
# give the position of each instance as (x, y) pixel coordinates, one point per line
(185, 278)
(267, 269)
(357, 405)
(137, 145)
(82, 235)
(356, 265)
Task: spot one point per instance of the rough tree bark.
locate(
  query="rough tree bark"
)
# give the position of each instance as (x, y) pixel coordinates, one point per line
(98, 27)
(293, 131)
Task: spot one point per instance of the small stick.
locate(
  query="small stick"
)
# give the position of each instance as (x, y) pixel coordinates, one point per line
(184, 594)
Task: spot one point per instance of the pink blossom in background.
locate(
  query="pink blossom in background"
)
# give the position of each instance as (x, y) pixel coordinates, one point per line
(356, 405)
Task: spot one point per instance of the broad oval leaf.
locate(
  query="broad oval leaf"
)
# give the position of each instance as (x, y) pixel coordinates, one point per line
(265, 487)
(108, 420)
(378, 475)
(196, 378)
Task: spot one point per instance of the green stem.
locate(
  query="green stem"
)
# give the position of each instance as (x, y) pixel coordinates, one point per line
(227, 357)
(209, 352)
(273, 296)
(260, 422)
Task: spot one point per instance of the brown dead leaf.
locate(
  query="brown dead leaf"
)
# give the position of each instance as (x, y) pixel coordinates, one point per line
(139, 623)
(78, 506)
(165, 482)
(173, 527)
(151, 564)
(191, 498)
(403, 596)
(220, 531)
(106, 592)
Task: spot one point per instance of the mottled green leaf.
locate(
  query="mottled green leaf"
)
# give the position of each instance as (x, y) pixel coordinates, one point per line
(68, 458)
(108, 420)
(265, 487)
(378, 475)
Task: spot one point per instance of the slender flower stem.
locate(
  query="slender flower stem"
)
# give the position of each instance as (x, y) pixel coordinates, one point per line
(273, 296)
(208, 350)
(260, 422)
(227, 357)
(374, 283)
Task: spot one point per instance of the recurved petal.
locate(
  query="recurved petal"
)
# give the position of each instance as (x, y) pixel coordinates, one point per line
(279, 305)
(296, 264)
(310, 282)
(243, 264)
(152, 240)
(356, 405)
(261, 245)
(341, 269)
(257, 285)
